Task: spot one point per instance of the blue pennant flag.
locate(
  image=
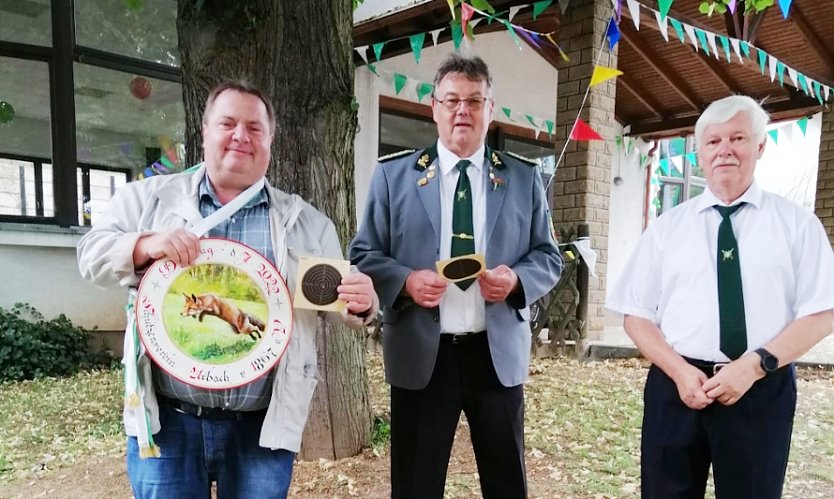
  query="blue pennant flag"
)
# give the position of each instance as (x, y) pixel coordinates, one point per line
(613, 33)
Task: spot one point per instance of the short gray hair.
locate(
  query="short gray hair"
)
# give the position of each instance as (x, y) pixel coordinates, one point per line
(724, 109)
(243, 87)
(473, 68)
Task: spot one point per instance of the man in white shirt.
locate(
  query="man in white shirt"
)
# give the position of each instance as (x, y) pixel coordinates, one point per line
(722, 294)
(463, 346)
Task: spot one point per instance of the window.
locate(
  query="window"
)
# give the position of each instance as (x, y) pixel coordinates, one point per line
(676, 176)
(97, 186)
(400, 131)
(26, 21)
(147, 32)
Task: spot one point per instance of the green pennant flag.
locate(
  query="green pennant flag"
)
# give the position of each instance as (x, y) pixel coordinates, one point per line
(372, 69)
(399, 82)
(802, 82)
(774, 134)
(664, 166)
(539, 7)
(513, 35)
(664, 5)
(643, 158)
(780, 70)
(378, 50)
(692, 158)
(818, 92)
(702, 38)
(549, 124)
(482, 5)
(619, 141)
(745, 49)
(762, 59)
(457, 35)
(725, 42)
(417, 44)
(531, 120)
(508, 112)
(423, 89)
(803, 125)
(630, 145)
(678, 28)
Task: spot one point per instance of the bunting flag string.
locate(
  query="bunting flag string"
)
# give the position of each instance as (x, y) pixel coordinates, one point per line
(466, 28)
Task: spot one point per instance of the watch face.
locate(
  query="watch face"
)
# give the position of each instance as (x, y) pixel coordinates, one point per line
(769, 363)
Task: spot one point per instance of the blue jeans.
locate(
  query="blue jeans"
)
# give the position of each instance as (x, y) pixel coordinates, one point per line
(196, 452)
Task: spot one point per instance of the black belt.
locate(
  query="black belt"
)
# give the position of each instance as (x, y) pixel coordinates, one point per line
(462, 338)
(707, 367)
(213, 413)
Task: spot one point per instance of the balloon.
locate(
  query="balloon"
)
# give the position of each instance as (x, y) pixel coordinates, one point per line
(140, 88)
(6, 112)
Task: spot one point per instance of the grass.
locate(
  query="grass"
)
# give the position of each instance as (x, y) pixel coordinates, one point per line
(582, 434)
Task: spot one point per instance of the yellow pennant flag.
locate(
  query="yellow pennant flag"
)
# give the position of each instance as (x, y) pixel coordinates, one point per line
(451, 7)
(602, 73)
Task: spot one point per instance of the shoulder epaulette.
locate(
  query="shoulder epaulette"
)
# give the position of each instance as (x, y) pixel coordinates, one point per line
(530, 162)
(395, 155)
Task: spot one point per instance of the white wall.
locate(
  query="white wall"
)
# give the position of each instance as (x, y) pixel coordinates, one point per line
(523, 81)
(39, 268)
(790, 167)
(625, 213)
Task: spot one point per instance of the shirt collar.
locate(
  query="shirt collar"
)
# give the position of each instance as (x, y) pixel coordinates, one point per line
(206, 190)
(448, 159)
(753, 196)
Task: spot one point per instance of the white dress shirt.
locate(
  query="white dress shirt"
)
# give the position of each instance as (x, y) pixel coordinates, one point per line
(787, 271)
(461, 311)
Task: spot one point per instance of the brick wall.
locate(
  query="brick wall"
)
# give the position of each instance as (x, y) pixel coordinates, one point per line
(582, 184)
(825, 178)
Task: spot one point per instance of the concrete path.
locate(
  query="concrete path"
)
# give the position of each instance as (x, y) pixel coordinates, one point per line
(615, 343)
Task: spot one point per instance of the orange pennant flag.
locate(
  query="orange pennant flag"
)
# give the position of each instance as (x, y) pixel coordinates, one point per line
(582, 132)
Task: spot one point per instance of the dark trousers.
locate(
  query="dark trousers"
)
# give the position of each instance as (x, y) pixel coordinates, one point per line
(423, 424)
(747, 443)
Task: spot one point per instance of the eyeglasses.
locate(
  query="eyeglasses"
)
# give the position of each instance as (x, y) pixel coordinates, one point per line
(474, 103)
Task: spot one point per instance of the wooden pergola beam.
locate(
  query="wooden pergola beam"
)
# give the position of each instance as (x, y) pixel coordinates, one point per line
(814, 42)
(652, 106)
(650, 57)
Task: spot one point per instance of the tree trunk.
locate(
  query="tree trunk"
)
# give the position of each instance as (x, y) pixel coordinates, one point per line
(299, 54)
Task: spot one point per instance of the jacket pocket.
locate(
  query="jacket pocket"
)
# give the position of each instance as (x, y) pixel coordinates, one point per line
(523, 314)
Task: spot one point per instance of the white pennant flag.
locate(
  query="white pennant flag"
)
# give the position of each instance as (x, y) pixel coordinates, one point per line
(563, 4)
(772, 67)
(537, 133)
(583, 245)
(363, 52)
(435, 34)
(737, 49)
(634, 10)
(514, 11)
(663, 25)
(711, 41)
(792, 74)
(474, 22)
(826, 89)
(690, 32)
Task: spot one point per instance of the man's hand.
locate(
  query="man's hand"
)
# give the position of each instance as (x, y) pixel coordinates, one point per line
(733, 381)
(690, 382)
(498, 283)
(425, 287)
(180, 245)
(357, 290)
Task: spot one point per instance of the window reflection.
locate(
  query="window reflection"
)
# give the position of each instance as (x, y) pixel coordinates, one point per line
(26, 21)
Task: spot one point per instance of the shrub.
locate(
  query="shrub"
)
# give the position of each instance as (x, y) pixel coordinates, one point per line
(32, 347)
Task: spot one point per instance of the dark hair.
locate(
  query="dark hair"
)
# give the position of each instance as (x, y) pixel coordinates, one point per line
(243, 87)
(473, 68)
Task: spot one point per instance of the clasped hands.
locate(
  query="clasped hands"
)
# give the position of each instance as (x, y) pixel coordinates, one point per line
(426, 287)
(697, 390)
(183, 247)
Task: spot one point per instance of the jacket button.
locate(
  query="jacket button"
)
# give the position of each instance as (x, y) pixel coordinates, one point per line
(436, 318)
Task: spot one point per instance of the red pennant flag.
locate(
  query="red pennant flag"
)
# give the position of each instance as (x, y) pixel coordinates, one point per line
(466, 13)
(581, 132)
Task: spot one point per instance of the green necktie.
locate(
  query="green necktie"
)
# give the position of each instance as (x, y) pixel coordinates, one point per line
(730, 296)
(463, 235)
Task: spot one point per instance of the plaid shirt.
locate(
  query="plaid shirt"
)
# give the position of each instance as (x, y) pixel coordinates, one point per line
(250, 226)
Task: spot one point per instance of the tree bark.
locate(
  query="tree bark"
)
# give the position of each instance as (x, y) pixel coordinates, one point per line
(299, 54)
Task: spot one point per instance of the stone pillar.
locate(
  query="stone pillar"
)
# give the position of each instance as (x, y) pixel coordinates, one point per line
(582, 184)
(825, 177)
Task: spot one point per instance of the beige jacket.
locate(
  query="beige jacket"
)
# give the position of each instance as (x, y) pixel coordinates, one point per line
(105, 256)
